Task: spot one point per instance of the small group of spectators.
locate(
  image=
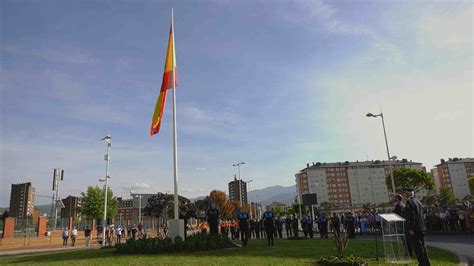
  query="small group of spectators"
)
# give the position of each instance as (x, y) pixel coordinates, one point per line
(66, 234)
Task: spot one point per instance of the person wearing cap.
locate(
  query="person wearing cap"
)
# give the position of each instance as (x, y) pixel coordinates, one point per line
(416, 228)
(400, 210)
(213, 219)
(269, 224)
(244, 226)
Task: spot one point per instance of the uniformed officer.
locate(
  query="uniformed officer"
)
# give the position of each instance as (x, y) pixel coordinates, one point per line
(279, 227)
(288, 227)
(213, 219)
(309, 226)
(256, 227)
(416, 228)
(244, 226)
(269, 223)
(303, 225)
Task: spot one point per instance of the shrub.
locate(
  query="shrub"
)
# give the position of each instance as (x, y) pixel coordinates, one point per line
(341, 241)
(194, 242)
(339, 261)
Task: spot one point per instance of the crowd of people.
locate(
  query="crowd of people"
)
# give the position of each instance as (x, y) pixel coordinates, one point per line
(418, 221)
(113, 234)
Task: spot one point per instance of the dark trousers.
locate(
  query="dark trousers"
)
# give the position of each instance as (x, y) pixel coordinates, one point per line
(288, 231)
(310, 231)
(280, 232)
(295, 231)
(244, 235)
(269, 231)
(418, 241)
(213, 228)
(409, 243)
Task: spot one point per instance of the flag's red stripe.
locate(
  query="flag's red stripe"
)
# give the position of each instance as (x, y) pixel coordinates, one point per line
(167, 82)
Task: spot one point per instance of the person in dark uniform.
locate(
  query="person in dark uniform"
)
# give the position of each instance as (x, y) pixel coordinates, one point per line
(336, 223)
(262, 229)
(288, 227)
(416, 228)
(399, 209)
(309, 226)
(323, 225)
(256, 226)
(213, 219)
(251, 229)
(303, 225)
(294, 226)
(244, 226)
(269, 224)
(350, 225)
(279, 227)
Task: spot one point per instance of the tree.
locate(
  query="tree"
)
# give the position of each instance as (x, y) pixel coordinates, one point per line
(407, 178)
(164, 203)
(218, 197)
(446, 197)
(430, 200)
(471, 184)
(279, 210)
(157, 204)
(92, 203)
(295, 209)
(326, 206)
(201, 206)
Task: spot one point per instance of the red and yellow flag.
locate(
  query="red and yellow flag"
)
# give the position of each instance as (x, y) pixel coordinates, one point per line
(169, 77)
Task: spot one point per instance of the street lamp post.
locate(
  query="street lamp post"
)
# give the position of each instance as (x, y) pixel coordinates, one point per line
(248, 189)
(240, 182)
(108, 140)
(386, 146)
(139, 196)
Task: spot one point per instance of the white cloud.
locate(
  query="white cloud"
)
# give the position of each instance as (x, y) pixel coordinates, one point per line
(447, 27)
(55, 55)
(426, 94)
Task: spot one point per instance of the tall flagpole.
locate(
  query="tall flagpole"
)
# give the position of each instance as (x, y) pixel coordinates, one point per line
(175, 137)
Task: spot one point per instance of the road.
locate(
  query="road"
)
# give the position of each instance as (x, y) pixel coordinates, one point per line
(462, 244)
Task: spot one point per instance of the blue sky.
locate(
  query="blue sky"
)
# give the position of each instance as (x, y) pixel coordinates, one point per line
(273, 83)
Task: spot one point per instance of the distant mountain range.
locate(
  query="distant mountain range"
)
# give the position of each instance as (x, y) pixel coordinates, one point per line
(268, 195)
(265, 196)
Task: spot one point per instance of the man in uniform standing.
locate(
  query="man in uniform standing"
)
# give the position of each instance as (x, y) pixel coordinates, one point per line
(244, 226)
(336, 223)
(399, 209)
(288, 227)
(416, 228)
(213, 219)
(269, 223)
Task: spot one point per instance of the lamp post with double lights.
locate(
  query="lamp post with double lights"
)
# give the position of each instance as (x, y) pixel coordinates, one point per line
(139, 196)
(386, 146)
(108, 140)
(240, 182)
(248, 189)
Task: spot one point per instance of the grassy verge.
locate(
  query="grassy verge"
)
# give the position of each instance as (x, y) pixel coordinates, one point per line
(285, 252)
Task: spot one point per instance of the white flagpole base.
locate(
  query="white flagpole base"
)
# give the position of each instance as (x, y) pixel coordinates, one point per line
(176, 228)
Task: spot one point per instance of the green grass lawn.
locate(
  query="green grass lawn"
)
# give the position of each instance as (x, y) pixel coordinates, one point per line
(285, 252)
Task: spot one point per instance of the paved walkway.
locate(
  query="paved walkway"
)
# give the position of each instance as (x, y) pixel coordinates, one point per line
(39, 250)
(465, 252)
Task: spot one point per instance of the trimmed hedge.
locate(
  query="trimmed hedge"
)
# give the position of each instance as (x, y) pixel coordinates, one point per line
(196, 242)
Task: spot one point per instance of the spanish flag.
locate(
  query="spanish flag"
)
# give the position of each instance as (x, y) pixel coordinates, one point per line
(169, 82)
